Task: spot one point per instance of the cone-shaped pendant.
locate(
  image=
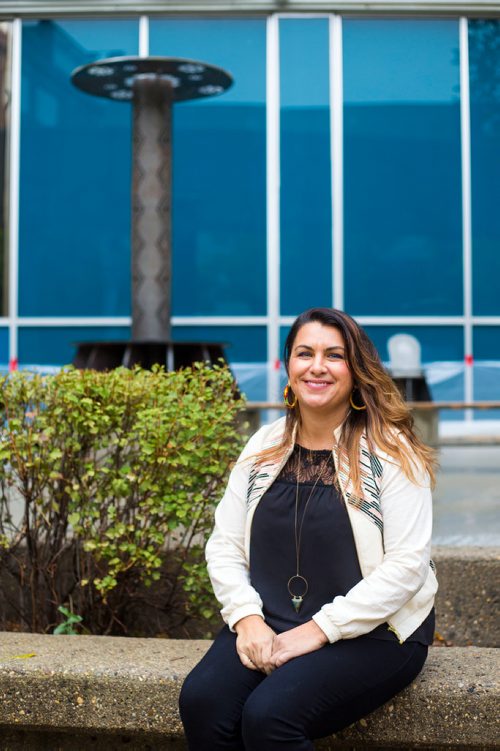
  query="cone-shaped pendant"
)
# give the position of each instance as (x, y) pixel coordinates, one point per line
(297, 600)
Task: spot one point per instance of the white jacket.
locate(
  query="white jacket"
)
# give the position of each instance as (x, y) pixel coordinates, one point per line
(391, 523)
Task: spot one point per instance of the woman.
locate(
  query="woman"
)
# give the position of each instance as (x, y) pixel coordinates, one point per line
(319, 556)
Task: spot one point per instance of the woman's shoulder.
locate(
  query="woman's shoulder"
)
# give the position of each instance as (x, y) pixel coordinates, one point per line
(267, 435)
(400, 460)
(392, 437)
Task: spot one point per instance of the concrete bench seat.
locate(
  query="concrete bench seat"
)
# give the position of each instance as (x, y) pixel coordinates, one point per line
(79, 692)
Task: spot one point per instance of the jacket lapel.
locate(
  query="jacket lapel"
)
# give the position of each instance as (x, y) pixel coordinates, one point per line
(371, 472)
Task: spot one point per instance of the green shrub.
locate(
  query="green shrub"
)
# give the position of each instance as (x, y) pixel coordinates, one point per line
(108, 483)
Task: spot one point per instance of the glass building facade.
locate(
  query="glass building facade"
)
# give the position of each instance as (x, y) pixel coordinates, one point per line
(354, 163)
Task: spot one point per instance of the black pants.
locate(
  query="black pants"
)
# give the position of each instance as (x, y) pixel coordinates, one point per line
(226, 706)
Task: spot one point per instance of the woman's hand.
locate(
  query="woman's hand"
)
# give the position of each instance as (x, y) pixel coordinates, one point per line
(297, 641)
(254, 643)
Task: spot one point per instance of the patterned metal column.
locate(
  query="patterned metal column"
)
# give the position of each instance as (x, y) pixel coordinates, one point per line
(151, 85)
(151, 208)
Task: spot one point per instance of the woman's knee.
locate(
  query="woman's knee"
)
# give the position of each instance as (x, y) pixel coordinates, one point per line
(265, 720)
(187, 698)
(196, 698)
(255, 721)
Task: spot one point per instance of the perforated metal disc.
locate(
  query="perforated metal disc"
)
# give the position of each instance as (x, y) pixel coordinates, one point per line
(114, 77)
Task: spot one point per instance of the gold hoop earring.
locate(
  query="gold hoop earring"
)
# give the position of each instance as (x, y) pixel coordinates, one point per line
(354, 406)
(286, 392)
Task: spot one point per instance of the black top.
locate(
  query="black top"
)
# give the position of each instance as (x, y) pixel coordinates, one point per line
(327, 552)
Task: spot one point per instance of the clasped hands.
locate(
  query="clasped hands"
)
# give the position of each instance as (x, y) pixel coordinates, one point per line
(260, 648)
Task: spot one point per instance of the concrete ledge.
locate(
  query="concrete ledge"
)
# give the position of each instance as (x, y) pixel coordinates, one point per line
(88, 685)
(468, 598)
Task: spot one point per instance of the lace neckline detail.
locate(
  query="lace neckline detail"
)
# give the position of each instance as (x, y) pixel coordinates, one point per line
(313, 462)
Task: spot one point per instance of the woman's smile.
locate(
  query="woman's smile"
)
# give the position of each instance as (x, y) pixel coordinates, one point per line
(317, 385)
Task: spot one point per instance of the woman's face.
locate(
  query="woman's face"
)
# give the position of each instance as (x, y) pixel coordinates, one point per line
(318, 371)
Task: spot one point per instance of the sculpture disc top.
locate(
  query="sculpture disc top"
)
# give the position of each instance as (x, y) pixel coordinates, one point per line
(114, 77)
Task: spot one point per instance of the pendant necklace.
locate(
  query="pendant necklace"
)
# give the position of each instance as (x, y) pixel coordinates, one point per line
(297, 581)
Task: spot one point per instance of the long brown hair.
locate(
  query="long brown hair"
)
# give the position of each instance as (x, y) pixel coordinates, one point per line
(387, 421)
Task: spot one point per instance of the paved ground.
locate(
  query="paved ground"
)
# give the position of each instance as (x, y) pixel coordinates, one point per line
(467, 496)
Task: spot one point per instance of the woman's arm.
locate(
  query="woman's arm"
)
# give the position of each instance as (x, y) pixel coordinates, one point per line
(407, 517)
(225, 551)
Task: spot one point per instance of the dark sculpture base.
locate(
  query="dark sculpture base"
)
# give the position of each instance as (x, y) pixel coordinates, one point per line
(413, 389)
(173, 355)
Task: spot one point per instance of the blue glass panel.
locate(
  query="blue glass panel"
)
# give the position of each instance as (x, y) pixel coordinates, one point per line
(283, 335)
(55, 346)
(245, 343)
(487, 345)
(487, 369)
(4, 346)
(219, 182)
(252, 382)
(306, 229)
(447, 386)
(442, 359)
(438, 343)
(484, 66)
(403, 248)
(74, 240)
